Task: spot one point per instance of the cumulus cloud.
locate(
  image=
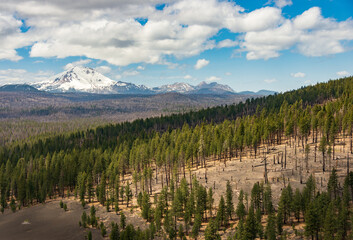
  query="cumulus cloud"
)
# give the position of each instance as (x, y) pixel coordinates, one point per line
(298, 75)
(129, 73)
(140, 68)
(79, 63)
(271, 80)
(14, 76)
(227, 43)
(187, 77)
(10, 37)
(103, 69)
(283, 3)
(343, 73)
(201, 63)
(108, 30)
(312, 34)
(213, 79)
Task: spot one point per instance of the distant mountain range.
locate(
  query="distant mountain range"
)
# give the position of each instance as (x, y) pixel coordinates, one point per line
(88, 80)
(18, 88)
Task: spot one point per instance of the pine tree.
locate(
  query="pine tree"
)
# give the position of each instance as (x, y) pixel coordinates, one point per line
(197, 225)
(332, 185)
(240, 211)
(211, 231)
(115, 233)
(221, 213)
(181, 233)
(260, 229)
(84, 219)
(93, 216)
(146, 206)
(122, 193)
(329, 223)
(229, 201)
(279, 221)
(177, 204)
(89, 187)
(250, 226)
(128, 194)
(308, 192)
(103, 229)
(270, 232)
(139, 199)
(210, 201)
(256, 196)
(101, 191)
(267, 201)
(322, 148)
(13, 205)
(122, 220)
(158, 217)
(169, 225)
(189, 211)
(297, 203)
(312, 221)
(342, 221)
(239, 231)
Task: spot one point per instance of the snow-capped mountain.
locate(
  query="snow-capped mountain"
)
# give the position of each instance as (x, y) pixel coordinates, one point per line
(82, 79)
(88, 80)
(176, 87)
(202, 88)
(212, 88)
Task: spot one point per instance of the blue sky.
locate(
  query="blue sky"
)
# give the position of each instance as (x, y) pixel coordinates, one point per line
(248, 45)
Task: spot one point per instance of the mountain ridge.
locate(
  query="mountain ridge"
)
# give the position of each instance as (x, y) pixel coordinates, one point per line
(88, 80)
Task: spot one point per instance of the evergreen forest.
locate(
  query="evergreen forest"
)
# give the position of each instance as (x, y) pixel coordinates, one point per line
(299, 143)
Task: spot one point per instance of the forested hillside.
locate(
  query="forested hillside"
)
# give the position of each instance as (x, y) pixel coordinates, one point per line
(156, 158)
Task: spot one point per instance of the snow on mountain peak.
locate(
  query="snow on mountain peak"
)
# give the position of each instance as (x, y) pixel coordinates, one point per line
(84, 79)
(176, 87)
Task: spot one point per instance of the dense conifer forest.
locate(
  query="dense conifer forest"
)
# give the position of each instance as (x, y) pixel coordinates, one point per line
(152, 161)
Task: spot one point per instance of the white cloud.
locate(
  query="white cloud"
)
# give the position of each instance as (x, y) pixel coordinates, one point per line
(14, 76)
(117, 77)
(187, 77)
(257, 20)
(272, 80)
(312, 34)
(107, 30)
(104, 69)
(130, 73)
(228, 74)
(78, 63)
(213, 79)
(227, 43)
(283, 3)
(140, 67)
(10, 37)
(311, 18)
(298, 75)
(343, 73)
(201, 63)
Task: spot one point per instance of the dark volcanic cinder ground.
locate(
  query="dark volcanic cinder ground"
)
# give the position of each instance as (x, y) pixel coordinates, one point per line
(46, 221)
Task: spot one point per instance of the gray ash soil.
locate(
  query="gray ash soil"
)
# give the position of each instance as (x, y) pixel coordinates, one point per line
(46, 221)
